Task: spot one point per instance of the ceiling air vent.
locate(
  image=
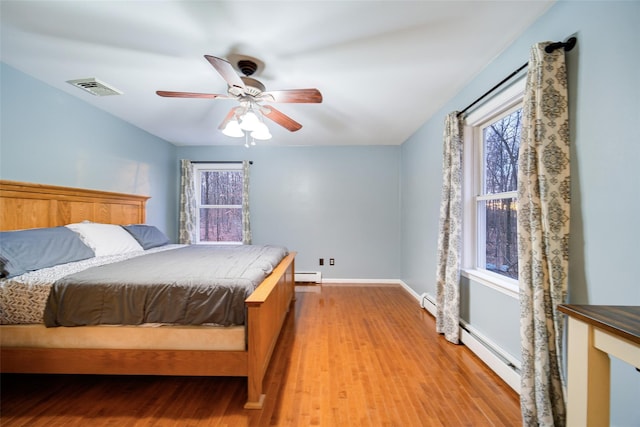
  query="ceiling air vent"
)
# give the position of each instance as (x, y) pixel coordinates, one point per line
(95, 87)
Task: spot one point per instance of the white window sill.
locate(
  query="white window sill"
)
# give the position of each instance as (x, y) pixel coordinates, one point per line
(500, 283)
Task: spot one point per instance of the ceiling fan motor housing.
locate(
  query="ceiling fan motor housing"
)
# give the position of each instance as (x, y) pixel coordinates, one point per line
(246, 64)
(247, 67)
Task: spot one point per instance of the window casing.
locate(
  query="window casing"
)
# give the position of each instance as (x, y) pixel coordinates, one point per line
(492, 134)
(218, 192)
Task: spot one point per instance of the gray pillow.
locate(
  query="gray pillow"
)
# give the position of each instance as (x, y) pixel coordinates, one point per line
(147, 235)
(28, 250)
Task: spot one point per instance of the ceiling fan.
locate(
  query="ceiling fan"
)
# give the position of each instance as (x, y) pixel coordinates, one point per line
(251, 94)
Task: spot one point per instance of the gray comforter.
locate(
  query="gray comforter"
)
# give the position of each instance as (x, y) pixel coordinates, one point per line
(191, 285)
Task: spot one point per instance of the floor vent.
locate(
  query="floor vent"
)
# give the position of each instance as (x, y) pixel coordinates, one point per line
(308, 276)
(95, 87)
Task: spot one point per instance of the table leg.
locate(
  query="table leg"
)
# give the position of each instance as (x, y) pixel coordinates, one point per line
(588, 381)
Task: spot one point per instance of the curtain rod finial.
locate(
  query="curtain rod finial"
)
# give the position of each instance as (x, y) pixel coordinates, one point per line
(570, 44)
(567, 45)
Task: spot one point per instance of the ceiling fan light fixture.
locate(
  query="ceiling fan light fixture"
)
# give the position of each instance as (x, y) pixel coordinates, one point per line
(248, 119)
(233, 129)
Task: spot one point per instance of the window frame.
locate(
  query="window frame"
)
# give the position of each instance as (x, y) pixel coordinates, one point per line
(509, 99)
(198, 169)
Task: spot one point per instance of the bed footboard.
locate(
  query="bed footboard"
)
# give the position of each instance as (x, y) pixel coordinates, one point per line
(267, 308)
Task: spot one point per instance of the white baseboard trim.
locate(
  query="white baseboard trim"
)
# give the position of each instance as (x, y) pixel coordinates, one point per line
(362, 281)
(409, 289)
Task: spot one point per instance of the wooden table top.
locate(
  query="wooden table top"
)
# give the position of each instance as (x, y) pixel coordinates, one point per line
(622, 321)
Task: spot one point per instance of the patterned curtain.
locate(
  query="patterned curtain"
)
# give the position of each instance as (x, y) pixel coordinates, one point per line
(187, 229)
(543, 236)
(246, 225)
(450, 233)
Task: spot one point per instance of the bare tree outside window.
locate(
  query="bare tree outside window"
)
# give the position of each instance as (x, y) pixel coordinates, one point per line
(496, 206)
(220, 206)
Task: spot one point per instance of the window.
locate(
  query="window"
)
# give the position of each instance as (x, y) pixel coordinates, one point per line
(496, 203)
(492, 139)
(219, 189)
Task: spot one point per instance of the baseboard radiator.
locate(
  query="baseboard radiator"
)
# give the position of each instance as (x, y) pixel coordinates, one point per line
(501, 362)
(308, 276)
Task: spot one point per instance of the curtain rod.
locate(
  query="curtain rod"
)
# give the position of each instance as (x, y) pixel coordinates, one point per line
(568, 45)
(218, 161)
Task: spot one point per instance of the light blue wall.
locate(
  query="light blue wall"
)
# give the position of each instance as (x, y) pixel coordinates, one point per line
(324, 202)
(604, 87)
(48, 136)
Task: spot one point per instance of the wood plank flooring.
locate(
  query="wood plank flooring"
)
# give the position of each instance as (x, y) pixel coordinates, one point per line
(348, 355)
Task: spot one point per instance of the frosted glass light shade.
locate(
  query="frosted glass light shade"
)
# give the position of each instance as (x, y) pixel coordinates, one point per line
(233, 129)
(249, 121)
(261, 132)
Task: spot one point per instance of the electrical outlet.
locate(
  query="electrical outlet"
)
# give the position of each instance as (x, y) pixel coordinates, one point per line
(321, 261)
(332, 261)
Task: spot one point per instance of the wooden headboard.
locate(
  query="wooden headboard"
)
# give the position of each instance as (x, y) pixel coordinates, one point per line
(25, 205)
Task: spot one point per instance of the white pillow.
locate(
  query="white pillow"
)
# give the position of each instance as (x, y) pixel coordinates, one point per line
(105, 239)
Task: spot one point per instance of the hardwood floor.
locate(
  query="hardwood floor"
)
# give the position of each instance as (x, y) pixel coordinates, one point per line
(348, 356)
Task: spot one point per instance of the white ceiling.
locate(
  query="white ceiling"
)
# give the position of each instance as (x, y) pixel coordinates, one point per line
(383, 67)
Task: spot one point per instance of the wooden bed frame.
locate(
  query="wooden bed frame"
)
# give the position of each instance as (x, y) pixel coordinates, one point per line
(25, 205)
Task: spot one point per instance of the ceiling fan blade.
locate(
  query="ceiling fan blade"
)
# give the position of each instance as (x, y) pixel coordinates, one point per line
(228, 118)
(280, 118)
(295, 96)
(170, 94)
(226, 71)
